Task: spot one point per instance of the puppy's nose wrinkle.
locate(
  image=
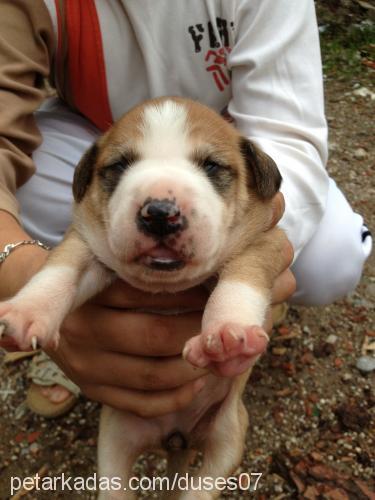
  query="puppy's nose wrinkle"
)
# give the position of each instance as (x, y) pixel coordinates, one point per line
(160, 218)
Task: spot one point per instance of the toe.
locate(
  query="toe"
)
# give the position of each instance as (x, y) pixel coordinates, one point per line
(193, 352)
(256, 340)
(56, 393)
(213, 345)
(233, 338)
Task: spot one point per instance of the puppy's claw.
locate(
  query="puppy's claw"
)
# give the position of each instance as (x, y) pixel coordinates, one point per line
(34, 343)
(262, 334)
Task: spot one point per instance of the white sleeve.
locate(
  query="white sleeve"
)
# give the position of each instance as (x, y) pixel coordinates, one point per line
(277, 101)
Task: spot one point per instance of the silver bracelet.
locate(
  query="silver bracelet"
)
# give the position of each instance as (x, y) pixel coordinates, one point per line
(8, 249)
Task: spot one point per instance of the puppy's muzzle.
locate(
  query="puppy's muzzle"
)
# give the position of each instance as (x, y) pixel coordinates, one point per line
(160, 218)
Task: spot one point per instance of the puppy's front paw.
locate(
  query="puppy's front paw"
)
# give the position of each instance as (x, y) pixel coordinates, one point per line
(228, 350)
(27, 325)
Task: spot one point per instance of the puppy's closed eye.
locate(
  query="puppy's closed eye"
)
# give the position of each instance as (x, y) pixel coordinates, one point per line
(221, 176)
(111, 174)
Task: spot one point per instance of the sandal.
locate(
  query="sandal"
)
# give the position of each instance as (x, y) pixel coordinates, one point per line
(12, 357)
(45, 373)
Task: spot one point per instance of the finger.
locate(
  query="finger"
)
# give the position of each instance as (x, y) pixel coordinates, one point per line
(268, 321)
(122, 295)
(106, 368)
(284, 287)
(130, 332)
(145, 404)
(234, 367)
(288, 253)
(278, 208)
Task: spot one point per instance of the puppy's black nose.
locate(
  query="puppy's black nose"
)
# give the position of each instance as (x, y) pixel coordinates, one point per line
(159, 218)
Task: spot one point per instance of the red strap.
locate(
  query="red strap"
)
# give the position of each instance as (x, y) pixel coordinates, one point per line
(85, 64)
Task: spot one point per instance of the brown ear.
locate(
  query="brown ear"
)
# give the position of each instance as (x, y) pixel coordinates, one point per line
(263, 174)
(84, 173)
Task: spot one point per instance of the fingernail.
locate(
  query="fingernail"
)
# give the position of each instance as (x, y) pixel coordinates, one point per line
(201, 362)
(199, 384)
(186, 351)
(55, 344)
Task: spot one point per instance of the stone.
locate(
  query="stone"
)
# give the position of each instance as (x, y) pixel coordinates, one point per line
(366, 364)
(360, 154)
(331, 339)
(364, 92)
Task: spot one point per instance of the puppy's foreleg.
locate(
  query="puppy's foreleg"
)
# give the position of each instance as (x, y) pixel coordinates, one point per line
(231, 326)
(69, 277)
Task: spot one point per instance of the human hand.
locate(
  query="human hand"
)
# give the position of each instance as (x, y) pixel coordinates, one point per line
(285, 283)
(132, 360)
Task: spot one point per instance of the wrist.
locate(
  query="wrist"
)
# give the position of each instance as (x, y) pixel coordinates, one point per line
(23, 262)
(19, 267)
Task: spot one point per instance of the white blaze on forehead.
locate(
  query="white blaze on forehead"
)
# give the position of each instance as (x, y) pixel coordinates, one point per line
(165, 130)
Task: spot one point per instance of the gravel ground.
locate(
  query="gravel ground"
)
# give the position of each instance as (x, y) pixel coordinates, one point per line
(311, 409)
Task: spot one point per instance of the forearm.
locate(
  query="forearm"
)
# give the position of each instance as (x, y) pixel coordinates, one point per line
(26, 50)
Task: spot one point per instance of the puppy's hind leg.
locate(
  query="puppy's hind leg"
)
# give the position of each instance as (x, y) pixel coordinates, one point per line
(122, 438)
(223, 447)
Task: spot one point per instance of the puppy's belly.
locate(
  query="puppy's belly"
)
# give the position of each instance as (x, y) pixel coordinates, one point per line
(137, 433)
(186, 420)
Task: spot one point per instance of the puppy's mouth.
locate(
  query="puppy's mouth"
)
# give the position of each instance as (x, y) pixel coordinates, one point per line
(162, 258)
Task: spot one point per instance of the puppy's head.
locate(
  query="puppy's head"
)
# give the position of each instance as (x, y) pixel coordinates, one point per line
(170, 192)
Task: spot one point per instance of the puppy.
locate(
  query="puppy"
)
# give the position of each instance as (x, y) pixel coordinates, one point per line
(170, 197)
